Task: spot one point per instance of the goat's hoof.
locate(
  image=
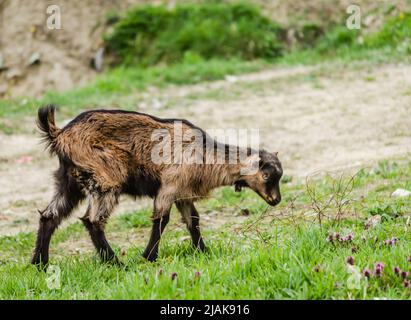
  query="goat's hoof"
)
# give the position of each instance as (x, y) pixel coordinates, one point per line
(150, 258)
(41, 265)
(113, 261)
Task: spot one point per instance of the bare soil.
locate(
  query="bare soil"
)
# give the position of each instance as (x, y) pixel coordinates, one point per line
(318, 118)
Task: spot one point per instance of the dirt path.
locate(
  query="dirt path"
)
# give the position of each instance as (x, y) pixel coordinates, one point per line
(317, 118)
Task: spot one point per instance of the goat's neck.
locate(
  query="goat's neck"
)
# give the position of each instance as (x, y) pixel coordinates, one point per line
(227, 174)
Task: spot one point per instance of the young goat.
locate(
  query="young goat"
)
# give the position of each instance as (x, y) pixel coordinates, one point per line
(106, 153)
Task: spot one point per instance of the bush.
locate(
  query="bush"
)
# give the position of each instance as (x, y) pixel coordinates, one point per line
(394, 33)
(149, 35)
(337, 38)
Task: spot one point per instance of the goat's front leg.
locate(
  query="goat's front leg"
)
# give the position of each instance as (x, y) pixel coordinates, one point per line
(192, 219)
(161, 216)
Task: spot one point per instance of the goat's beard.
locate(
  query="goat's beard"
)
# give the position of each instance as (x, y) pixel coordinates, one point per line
(239, 185)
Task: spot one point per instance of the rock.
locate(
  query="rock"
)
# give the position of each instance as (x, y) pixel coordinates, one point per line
(34, 59)
(13, 73)
(157, 104)
(373, 221)
(2, 67)
(3, 89)
(399, 193)
(231, 79)
(97, 61)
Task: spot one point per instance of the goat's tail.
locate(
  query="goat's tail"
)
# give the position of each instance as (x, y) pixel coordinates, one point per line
(47, 125)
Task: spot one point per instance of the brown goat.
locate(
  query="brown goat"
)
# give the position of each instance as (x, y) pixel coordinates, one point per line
(105, 153)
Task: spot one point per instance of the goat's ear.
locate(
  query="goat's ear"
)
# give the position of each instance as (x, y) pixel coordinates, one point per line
(275, 153)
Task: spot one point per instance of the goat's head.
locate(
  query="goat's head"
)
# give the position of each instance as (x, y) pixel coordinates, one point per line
(265, 180)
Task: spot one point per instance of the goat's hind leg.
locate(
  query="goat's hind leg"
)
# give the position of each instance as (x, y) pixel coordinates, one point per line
(95, 219)
(63, 203)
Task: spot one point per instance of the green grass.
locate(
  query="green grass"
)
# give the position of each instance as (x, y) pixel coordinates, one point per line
(279, 253)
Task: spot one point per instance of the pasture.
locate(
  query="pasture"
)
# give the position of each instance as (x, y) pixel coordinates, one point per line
(337, 108)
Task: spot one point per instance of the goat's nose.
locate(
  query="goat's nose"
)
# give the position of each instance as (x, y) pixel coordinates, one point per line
(275, 200)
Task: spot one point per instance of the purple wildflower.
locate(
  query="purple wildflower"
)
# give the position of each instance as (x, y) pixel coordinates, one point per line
(337, 236)
(397, 270)
(407, 284)
(330, 238)
(197, 274)
(350, 260)
(391, 242)
(367, 273)
(405, 274)
(173, 276)
(379, 267)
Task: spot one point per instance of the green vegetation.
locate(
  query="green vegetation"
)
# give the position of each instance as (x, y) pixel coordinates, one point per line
(272, 253)
(149, 35)
(391, 42)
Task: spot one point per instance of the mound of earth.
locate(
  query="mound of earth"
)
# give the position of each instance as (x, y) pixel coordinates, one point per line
(36, 59)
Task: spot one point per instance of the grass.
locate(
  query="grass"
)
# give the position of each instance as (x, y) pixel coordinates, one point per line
(280, 253)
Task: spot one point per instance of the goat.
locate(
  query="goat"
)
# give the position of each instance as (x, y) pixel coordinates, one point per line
(105, 153)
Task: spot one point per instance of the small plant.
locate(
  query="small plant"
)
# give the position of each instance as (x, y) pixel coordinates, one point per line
(386, 169)
(387, 211)
(337, 238)
(331, 198)
(391, 242)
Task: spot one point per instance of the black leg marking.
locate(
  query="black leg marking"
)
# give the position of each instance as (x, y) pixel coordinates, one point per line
(58, 209)
(98, 237)
(95, 219)
(46, 230)
(159, 224)
(192, 220)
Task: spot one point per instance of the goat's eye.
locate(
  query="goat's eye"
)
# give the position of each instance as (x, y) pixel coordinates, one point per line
(265, 176)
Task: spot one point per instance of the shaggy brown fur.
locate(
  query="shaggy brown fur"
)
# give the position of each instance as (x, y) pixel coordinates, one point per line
(105, 153)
